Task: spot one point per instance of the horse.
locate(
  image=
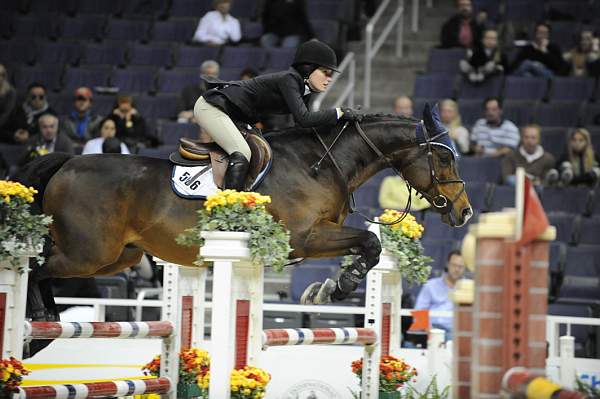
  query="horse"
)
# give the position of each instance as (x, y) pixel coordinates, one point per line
(109, 209)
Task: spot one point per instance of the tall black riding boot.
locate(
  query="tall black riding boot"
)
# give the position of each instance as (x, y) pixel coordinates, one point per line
(237, 169)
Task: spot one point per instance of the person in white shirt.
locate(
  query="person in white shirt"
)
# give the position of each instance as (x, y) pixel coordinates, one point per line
(218, 27)
(492, 135)
(107, 129)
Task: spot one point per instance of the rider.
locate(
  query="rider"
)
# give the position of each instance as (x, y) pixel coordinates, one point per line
(280, 92)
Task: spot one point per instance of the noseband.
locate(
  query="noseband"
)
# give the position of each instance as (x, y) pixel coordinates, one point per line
(440, 202)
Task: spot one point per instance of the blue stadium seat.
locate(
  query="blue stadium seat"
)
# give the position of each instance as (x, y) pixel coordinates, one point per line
(553, 199)
(190, 8)
(161, 152)
(170, 132)
(280, 58)
(150, 54)
(42, 26)
(192, 56)
(581, 333)
(105, 7)
(83, 27)
(244, 9)
(135, 79)
(591, 114)
(572, 89)
(126, 29)
(520, 112)
(438, 250)
(327, 31)
(525, 88)
(367, 196)
(434, 86)
(90, 76)
(565, 225)
(16, 51)
(564, 33)
(583, 260)
(485, 170)
(444, 61)
(524, 10)
(355, 220)
(62, 102)
(307, 273)
(179, 30)
(573, 10)
(12, 153)
(554, 140)
(564, 113)
(49, 75)
(50, 6)
(148, 9)
(327, 9)
(104, 103)
(471, 110)
(162, 106)
(242, 57)
(435, 229)
(251, 30)
(174, 80)
(478, 195)
(589, 232)
(62, 52)
(108, 53)
(228, 74)
(491, 87)
(501, 197)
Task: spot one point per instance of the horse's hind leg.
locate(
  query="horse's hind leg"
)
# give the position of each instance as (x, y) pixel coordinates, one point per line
(129, 257)
(330, 239)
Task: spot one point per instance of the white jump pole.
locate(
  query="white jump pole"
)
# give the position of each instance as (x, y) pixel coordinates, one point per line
(567, 361)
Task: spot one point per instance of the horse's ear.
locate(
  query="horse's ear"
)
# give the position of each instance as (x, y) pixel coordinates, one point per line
(431, 118)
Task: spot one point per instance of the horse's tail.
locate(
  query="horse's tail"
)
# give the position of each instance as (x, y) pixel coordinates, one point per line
(38, 173)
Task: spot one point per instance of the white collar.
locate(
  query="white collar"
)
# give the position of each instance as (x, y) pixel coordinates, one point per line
(530, 158)
(307, 89)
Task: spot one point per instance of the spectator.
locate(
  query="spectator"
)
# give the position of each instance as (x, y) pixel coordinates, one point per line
(285, 23)
(450, 117)
(218, 27)
(191, 93)
(540, 57)
(23, 122)
(403, 106)
(583, 59)
(81, 122)
(485, 60)
(461, 30)
(107, 130)
(48, 140)
(248, 73)
(579, 164)
(435, 294)
(493, 136)
(531, 156)
(393, 194)
(131, 126)
(8, 98)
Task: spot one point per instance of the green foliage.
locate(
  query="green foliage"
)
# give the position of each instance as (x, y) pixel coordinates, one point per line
(408, 252)
(431, 392)
(587, 389)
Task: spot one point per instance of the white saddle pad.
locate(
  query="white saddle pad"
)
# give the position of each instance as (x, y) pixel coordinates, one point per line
(194, 182)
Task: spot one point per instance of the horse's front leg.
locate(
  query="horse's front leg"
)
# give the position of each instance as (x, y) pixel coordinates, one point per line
(330, 239)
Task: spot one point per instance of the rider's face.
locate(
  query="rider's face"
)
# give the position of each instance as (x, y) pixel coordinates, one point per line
(320, 79)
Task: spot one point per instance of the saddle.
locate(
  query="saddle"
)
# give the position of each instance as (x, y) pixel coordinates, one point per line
(196, 153)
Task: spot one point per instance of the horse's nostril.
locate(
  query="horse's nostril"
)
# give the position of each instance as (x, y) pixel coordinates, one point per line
(467, 213)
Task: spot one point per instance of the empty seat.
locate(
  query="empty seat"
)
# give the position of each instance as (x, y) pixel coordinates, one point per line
(109, 53)
(281, 58)
(327, 31)
(161, 152)
(162, 106)
(105, 7)
(328, 9)
(524, 10)
(572, 10)
(16, 51)
(244, 9)
(478, 195)
(180, 30)
(90, 76)
(589, 232)
(151, 55)
(49, 75)
(563, 33)
(12, 153)
(470, 110)
(480, 169)
(553, 199)
(525, 88)
(583, 260)
(192, 56)
(83, 27)
(190, 8)
(145, 9)
(251, 30)
(135, 79)
(367, 196)
(591, 115)
(435, 229)
(434, 86)
(104, 103)
(173, 81)
(564, 223)
(572, 88)
(50, 6)
(438, 250)
(170, 132)
(62, 52)
(520, 112)
(242, 57)
(444, 60)
(42, 26)
(501, 197)
(126, 29)
(228, 74)
(557, 114)
(491, 87)
(62, 103)
(553, 140)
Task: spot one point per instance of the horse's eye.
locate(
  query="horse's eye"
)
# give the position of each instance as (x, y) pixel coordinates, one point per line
(445, 159)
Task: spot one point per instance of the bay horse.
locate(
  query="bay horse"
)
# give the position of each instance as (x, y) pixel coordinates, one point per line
(109, 209)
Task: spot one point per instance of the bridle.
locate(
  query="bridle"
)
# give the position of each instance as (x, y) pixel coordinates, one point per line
(440, 202)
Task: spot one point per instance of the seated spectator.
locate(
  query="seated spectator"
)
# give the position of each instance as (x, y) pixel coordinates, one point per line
(403, 106)
(285, 23)
(48, 140)
(190, 94)
(248, 74)
(486, 59)
(8, 99)
(23, 122)
(393, 194)
(540, 57)
(107, 129)
(450, 117)
(579, 164)
(131, 126)
(461, 30)
(530, 155)
(218, 27)
(583, 59)
(493, 136)
(81, 122)
(435, 294)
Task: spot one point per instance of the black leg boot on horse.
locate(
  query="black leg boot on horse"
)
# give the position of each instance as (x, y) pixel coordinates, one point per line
(237, 169)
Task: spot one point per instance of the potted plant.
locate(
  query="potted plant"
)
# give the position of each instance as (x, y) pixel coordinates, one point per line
(393, 375)
(249, 383)
(11, 375)
(21, 232)
(233, 211)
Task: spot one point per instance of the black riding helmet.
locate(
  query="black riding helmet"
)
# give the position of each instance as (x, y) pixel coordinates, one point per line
(316, 54)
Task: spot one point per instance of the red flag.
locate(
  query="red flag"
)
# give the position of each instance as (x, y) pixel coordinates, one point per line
(535, 221)
(420, 320)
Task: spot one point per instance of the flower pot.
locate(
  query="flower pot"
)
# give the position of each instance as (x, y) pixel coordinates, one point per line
(390, 395)
(187, 391)
(224, 245)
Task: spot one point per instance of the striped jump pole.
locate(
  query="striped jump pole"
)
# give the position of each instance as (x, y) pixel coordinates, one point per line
(103, 389)
(319, 336)
(519, 382)
(55, 330)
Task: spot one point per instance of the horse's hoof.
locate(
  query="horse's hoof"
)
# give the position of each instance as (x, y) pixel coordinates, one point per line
(318, 293)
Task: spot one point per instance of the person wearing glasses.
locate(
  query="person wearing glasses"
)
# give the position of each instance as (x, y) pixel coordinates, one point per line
(286, 92)
(24, 119)
(81, 124)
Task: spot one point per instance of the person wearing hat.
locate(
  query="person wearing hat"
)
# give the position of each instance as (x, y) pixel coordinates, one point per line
(286, 92)
(81, 123)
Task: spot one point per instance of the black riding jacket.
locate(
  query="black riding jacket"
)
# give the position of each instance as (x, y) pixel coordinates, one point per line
(274, 93)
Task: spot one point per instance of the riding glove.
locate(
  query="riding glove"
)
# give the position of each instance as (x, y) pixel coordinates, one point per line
(351, 115)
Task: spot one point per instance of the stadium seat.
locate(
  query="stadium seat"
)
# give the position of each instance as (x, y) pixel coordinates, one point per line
(491, 87)
(108, 53)
(126, 29)
(41, 26)
(192, 56)
(572, 89)
(478, 193)
(564, 113)
(62, 52)
(589, 232)
(104, 104)
(49, 75)
(174, 80)
(62, 102)
(367, 196)
(162, 106)
(327, 31)
(520, 112)
(572, 10)
(566, 226)
(444, 61)
(501, 197)
(554, 140)
(243, 57)
(524, 10)
(135, 79)
(104, 7)
(525, 88)
(327, 9)
(553, 199)
(149, 9)
(581, 333)
(486, 170)
(90, 76)
(12, 153)
(471, 110)
(228, 74)
(161, 152)
(244, 9)
(434, 86)
(170, 132)
(180, 30)
(251, 30)
(280, 58)
(150, 55)
(591, 115)
(83, 27)
(50, 6)
(190, 8)
(438, 250)
(16, 51)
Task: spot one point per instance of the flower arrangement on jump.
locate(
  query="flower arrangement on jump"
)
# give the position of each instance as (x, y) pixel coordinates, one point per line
(19, 229)
(393, 373)
(11, 375)
(230, 210)
(194, 369)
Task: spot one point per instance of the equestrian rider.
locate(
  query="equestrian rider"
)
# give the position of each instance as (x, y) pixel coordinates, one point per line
(279, 93)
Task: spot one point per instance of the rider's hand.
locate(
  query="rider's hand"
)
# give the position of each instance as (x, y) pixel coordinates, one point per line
(350, 115)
